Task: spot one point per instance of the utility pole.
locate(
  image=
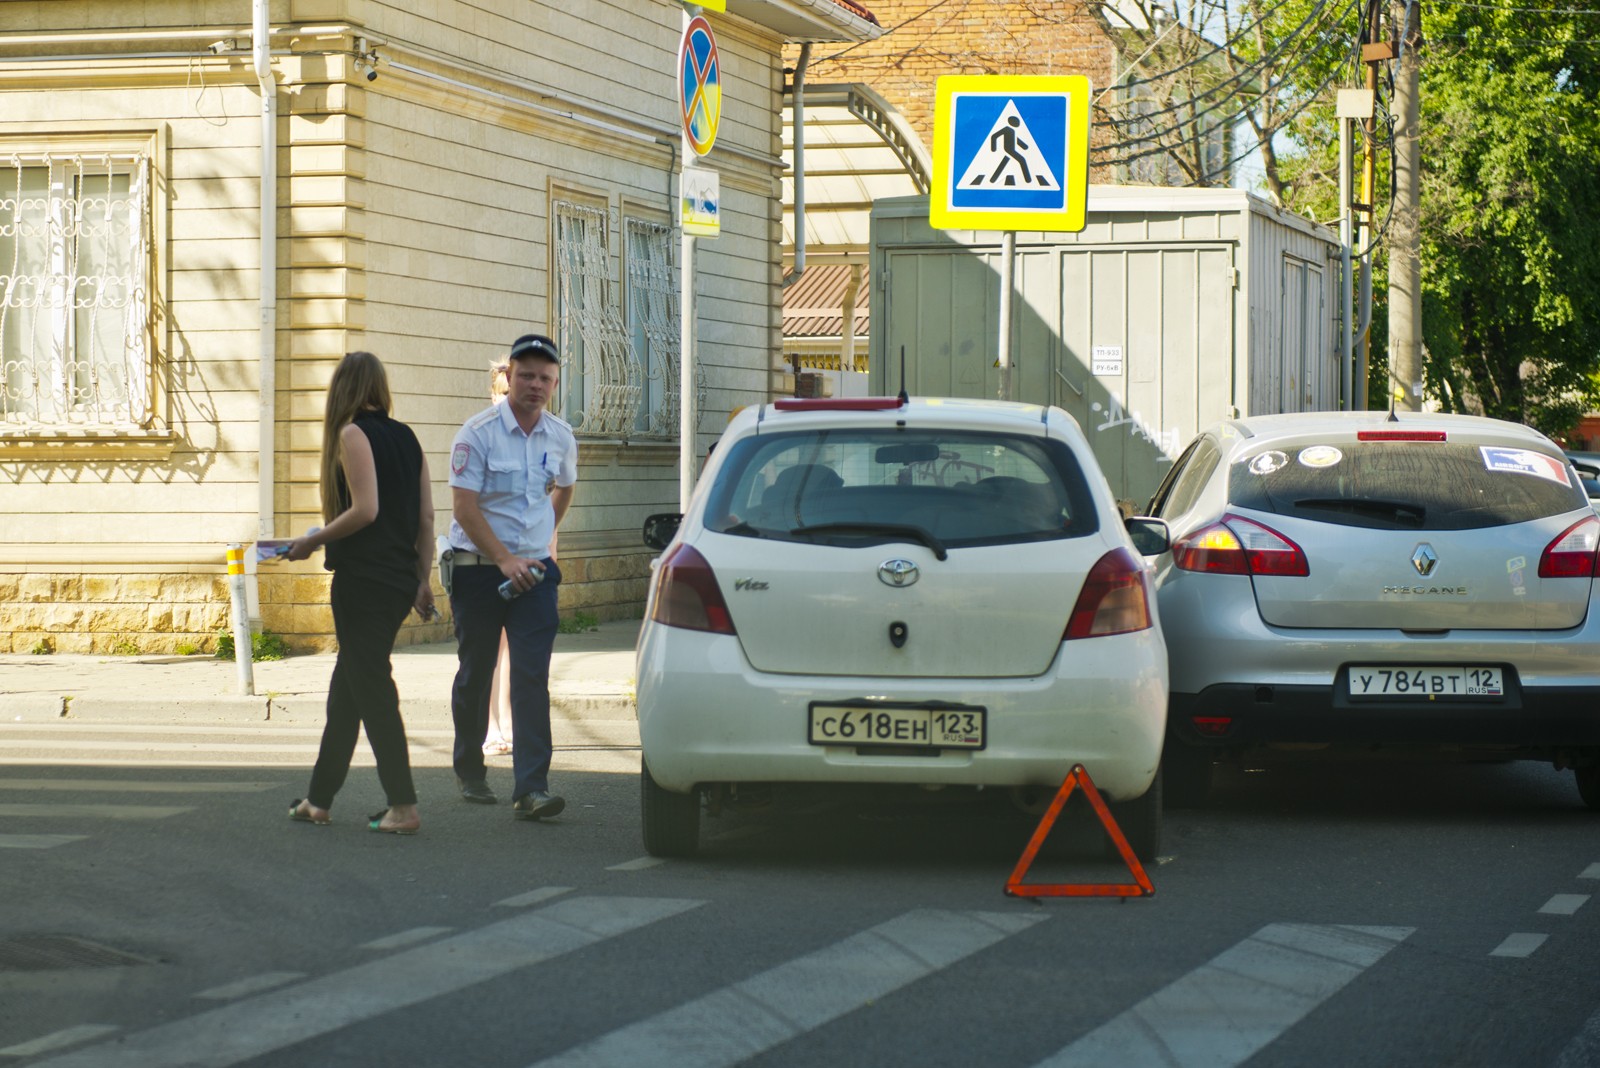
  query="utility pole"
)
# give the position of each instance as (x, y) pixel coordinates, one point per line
(1405, 235)
(1374, 50)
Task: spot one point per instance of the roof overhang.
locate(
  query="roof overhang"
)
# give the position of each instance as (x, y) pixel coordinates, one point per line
(810, 20)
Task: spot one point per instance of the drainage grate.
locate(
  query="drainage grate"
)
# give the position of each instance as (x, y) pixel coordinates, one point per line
(39, 953)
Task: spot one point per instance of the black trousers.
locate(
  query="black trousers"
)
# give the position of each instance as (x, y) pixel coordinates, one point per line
(366, 617)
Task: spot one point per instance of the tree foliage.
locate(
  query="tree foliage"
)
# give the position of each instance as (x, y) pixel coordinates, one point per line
(1510, 239)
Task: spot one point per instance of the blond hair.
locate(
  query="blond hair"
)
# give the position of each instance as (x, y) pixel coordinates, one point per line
(499, 379)
(359, 383)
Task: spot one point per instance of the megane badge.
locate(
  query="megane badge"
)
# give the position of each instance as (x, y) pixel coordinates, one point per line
(1424, 559)
(898, 572)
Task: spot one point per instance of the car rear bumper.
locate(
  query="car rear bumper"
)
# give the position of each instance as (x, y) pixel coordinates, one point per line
(1542, 717)
(706, 716)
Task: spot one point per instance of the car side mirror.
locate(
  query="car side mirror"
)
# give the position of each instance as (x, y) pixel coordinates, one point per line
(661, 528)
(1150, 536)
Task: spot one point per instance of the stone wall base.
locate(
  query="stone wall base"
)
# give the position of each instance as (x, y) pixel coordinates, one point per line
(186, 612)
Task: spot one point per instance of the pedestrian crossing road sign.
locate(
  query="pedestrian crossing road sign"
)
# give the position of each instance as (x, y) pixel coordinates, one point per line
(1010, 152)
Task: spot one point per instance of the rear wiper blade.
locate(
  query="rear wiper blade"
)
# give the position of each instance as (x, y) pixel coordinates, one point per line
(899, 531)
(743, 528)
(1366, 506)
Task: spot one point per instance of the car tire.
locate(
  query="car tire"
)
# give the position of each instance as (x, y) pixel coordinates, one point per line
(1589, 785)
(1188, 772)
(1140, 822)
(671, 821)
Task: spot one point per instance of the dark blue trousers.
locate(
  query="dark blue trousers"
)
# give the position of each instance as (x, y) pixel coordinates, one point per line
(530, 623)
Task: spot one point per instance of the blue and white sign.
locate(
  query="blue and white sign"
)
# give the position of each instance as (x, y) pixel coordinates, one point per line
(1010, 153)
(1524, 462)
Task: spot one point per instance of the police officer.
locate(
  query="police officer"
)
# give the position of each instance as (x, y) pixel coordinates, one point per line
(512, 469)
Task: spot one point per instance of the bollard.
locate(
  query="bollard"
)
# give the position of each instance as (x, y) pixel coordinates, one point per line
(243, 647)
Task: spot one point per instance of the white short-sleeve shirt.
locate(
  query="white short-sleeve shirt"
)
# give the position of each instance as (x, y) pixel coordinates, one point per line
(508, 470)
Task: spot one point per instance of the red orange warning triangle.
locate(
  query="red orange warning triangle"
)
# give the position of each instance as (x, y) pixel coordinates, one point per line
(1140, 887)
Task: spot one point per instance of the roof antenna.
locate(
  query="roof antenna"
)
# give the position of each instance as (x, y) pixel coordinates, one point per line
(903, 398)
(1392, 397)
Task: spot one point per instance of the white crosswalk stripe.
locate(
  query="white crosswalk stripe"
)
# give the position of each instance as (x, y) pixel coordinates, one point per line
(745, 1018)
(1226, 1010)
(38, 841)
(271, 1021)
(580, 746)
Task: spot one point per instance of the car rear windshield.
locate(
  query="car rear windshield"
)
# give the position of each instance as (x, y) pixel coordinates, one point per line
(1412, 485)
(868, 486)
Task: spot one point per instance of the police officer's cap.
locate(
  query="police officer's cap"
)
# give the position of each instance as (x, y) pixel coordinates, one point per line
(535, 346)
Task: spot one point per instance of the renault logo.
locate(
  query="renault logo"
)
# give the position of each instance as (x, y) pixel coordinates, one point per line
(898, 572)
(1424, 559)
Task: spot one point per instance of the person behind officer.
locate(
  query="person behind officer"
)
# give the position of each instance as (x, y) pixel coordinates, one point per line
(377, 537)
(512, 470)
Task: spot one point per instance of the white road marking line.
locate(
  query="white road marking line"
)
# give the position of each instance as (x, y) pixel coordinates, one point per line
(38, 841)
(637, 864)
(1518, 945)
(534, 897)
(1591, 872)
(49, 810)
(59, 1040)
(743, 1019)
(253, 985)
(406, 938)
(231, 1034)
(1564, 904)
(1584, 1049)
(1229, 1008)
(105, 786)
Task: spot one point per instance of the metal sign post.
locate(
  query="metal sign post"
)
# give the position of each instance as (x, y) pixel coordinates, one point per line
(1010, 153)
(700, 100)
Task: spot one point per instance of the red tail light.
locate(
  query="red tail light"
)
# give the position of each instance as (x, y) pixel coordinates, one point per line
(1239, 546)
(1572, 554)
(687, 594)
(1114, 599)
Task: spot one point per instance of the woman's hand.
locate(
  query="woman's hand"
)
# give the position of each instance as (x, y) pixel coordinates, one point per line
(424, 602)
(302, 547)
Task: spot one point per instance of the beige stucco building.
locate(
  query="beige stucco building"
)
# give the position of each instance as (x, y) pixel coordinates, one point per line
(426, 179)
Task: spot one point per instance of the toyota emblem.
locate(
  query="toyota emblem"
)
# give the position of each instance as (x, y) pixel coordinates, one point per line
(898, 572)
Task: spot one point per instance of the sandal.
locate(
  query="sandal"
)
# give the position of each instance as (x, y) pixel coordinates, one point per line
(375, 823)
(496, 747)
(309, 814)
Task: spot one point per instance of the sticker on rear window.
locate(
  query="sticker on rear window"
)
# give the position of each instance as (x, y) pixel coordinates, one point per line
(1267, 462)
(1320, 456)
(1524, 462)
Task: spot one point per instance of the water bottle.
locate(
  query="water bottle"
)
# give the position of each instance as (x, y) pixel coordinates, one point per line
(509, 591)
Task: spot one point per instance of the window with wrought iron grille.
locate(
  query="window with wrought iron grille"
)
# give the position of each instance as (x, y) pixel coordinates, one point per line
(600, 375)
(653, 327)
(75, 303)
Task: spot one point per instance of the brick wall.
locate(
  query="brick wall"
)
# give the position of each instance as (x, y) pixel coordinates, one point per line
(964, 37)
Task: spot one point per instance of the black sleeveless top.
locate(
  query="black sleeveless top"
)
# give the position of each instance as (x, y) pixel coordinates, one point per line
(385, 550)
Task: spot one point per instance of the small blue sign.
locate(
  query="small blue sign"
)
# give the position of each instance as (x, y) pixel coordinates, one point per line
(1009, 151)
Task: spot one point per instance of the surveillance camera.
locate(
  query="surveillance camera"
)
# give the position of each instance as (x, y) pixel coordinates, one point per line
(372, 75)
(216, 48)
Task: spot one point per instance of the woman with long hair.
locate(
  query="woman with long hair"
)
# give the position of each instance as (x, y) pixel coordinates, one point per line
(377, 533)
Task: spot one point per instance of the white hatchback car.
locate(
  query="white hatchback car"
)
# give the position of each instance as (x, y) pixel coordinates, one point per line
(913, 595)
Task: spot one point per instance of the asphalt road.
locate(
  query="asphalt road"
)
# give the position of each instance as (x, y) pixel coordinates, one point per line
(1317, 914)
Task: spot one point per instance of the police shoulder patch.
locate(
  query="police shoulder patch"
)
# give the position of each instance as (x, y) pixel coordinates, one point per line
(459, 457)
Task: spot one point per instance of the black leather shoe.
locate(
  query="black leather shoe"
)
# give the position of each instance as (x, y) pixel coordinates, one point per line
(477, 791)
(537, 805)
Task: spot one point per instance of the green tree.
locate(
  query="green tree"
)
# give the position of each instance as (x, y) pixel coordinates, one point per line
(1510, 238)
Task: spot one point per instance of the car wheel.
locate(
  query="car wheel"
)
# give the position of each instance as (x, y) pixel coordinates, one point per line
(671, 821)
(1188, 770)
(1140, 821)
(1589, 785)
